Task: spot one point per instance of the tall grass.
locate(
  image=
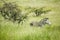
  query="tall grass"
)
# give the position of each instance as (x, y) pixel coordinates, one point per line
(14, 31)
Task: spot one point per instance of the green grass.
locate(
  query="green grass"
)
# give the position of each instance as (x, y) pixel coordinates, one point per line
(14, 31)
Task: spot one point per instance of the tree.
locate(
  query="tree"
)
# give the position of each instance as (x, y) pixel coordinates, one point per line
(11, 11)
(40, 11)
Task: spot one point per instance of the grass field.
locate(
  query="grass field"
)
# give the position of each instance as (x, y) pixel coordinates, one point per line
(14, 31)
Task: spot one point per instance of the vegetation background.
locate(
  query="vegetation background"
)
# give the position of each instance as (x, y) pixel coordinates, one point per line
(14, 31)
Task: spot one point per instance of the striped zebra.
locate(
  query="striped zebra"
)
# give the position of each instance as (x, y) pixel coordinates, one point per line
(41, 23)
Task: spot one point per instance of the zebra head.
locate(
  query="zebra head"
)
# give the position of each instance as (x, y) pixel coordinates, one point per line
(44, 21)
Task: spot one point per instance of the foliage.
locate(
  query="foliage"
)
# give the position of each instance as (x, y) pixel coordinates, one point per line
(41, 11)
(11, 11)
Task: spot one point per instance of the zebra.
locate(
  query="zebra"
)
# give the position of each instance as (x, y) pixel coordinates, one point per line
(41, 23)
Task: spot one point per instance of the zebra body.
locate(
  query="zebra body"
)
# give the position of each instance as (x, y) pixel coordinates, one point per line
(41, 23)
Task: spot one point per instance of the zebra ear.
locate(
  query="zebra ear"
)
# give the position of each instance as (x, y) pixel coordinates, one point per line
(46, 18)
